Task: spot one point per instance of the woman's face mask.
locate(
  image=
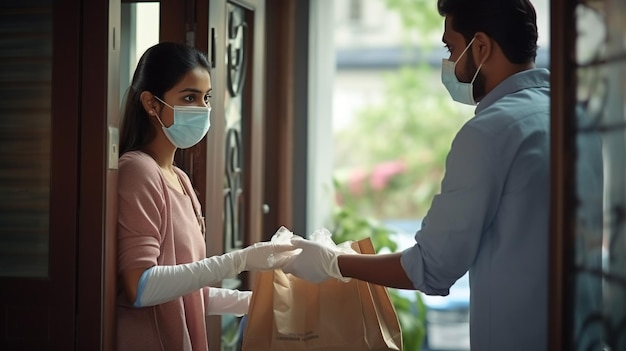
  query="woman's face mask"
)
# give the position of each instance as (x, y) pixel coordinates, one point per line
(191, 123)
(459, 91)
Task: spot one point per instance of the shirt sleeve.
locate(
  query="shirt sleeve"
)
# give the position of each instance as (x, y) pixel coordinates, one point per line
(452, 229)
(141, 206)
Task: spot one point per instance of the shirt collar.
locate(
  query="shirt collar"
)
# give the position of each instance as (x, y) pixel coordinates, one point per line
(532, 78)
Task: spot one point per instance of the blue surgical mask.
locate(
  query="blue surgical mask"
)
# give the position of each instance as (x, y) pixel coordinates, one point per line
(191, 123)
(459, 91)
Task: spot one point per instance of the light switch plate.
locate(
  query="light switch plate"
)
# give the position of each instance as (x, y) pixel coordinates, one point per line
(113, 147)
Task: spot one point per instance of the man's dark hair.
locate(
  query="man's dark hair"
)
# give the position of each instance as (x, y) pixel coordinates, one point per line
(511, 23)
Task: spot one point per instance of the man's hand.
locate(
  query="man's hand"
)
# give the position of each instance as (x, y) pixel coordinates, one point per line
(315, 262)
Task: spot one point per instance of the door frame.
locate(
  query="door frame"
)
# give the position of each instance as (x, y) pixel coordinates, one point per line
(97, 198)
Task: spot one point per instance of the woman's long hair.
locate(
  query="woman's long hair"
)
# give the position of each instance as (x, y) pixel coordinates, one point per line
(159, 69)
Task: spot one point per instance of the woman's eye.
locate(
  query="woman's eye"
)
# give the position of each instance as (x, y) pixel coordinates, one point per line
(189, 98)
(447, 47)
(207, 97)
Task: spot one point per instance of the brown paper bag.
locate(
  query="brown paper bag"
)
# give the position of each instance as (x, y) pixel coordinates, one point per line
(290, 314)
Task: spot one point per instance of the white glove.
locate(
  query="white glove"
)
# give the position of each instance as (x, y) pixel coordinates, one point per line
(219, 301)
(318, 259)
(159, 284)
(262, 256)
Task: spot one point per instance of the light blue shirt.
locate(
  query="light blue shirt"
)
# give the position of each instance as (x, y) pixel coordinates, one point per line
(492, 218)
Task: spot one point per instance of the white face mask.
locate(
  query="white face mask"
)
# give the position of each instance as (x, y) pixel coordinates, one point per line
(191, 123)
(459, 91)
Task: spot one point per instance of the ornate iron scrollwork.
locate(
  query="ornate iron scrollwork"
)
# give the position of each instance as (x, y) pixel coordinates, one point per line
(234, 187)
(237, 55)
(233, 192)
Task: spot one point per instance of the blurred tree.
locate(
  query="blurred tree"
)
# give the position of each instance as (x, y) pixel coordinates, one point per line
(392, 155)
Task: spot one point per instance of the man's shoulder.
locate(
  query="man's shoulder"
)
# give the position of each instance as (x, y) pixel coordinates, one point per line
(518, 91)
(514, 111)
(523, 102)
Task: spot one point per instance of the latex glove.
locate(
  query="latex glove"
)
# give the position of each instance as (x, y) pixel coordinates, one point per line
(262, 256)
(159, 284)
(219, 301)
(316, 262)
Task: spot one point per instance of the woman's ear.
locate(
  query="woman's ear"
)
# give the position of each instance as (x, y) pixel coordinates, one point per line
(149, 102)
(483, 46)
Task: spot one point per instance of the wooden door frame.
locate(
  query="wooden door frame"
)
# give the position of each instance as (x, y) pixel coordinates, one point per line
(254, 147)
(563, 174)
(215, 145)
(64, 169)
(286, 109)
(97, 221)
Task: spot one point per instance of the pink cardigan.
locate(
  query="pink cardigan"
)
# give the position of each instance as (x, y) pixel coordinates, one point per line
(158, 225)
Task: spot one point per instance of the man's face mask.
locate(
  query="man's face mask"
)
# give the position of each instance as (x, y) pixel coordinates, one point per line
(191, 123)
(459, 91)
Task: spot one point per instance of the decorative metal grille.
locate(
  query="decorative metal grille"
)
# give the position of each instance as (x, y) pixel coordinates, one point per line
(234, 192)
(234, 186)
(600, 259)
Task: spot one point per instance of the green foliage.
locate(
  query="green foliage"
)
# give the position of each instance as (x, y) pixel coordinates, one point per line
(420, 19)
(418, 15)
(412, 318)
(349, 226)
(230, 336)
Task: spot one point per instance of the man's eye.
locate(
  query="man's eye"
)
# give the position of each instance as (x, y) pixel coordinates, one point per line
(447, 47)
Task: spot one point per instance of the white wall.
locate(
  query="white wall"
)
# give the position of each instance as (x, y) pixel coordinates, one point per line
(320, 194)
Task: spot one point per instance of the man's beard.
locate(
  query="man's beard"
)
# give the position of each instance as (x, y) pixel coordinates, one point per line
(479, 82)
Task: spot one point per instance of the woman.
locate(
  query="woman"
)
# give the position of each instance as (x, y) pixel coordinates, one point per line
(162, 266)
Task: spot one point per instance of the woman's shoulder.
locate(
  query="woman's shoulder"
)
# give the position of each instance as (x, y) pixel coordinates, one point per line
(137, 160)
(137, 166)
(140, 177)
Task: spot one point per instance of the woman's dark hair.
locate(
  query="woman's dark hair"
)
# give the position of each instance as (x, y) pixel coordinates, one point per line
(159, 69)
(511, 23)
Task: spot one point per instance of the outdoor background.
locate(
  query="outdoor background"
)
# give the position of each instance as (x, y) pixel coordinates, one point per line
(393, 121)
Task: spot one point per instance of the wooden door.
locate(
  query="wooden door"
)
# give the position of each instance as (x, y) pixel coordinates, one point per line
(38, 168)
(55, 187)
(235, 156)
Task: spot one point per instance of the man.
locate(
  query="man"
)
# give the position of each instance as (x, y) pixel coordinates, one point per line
(491, 216)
